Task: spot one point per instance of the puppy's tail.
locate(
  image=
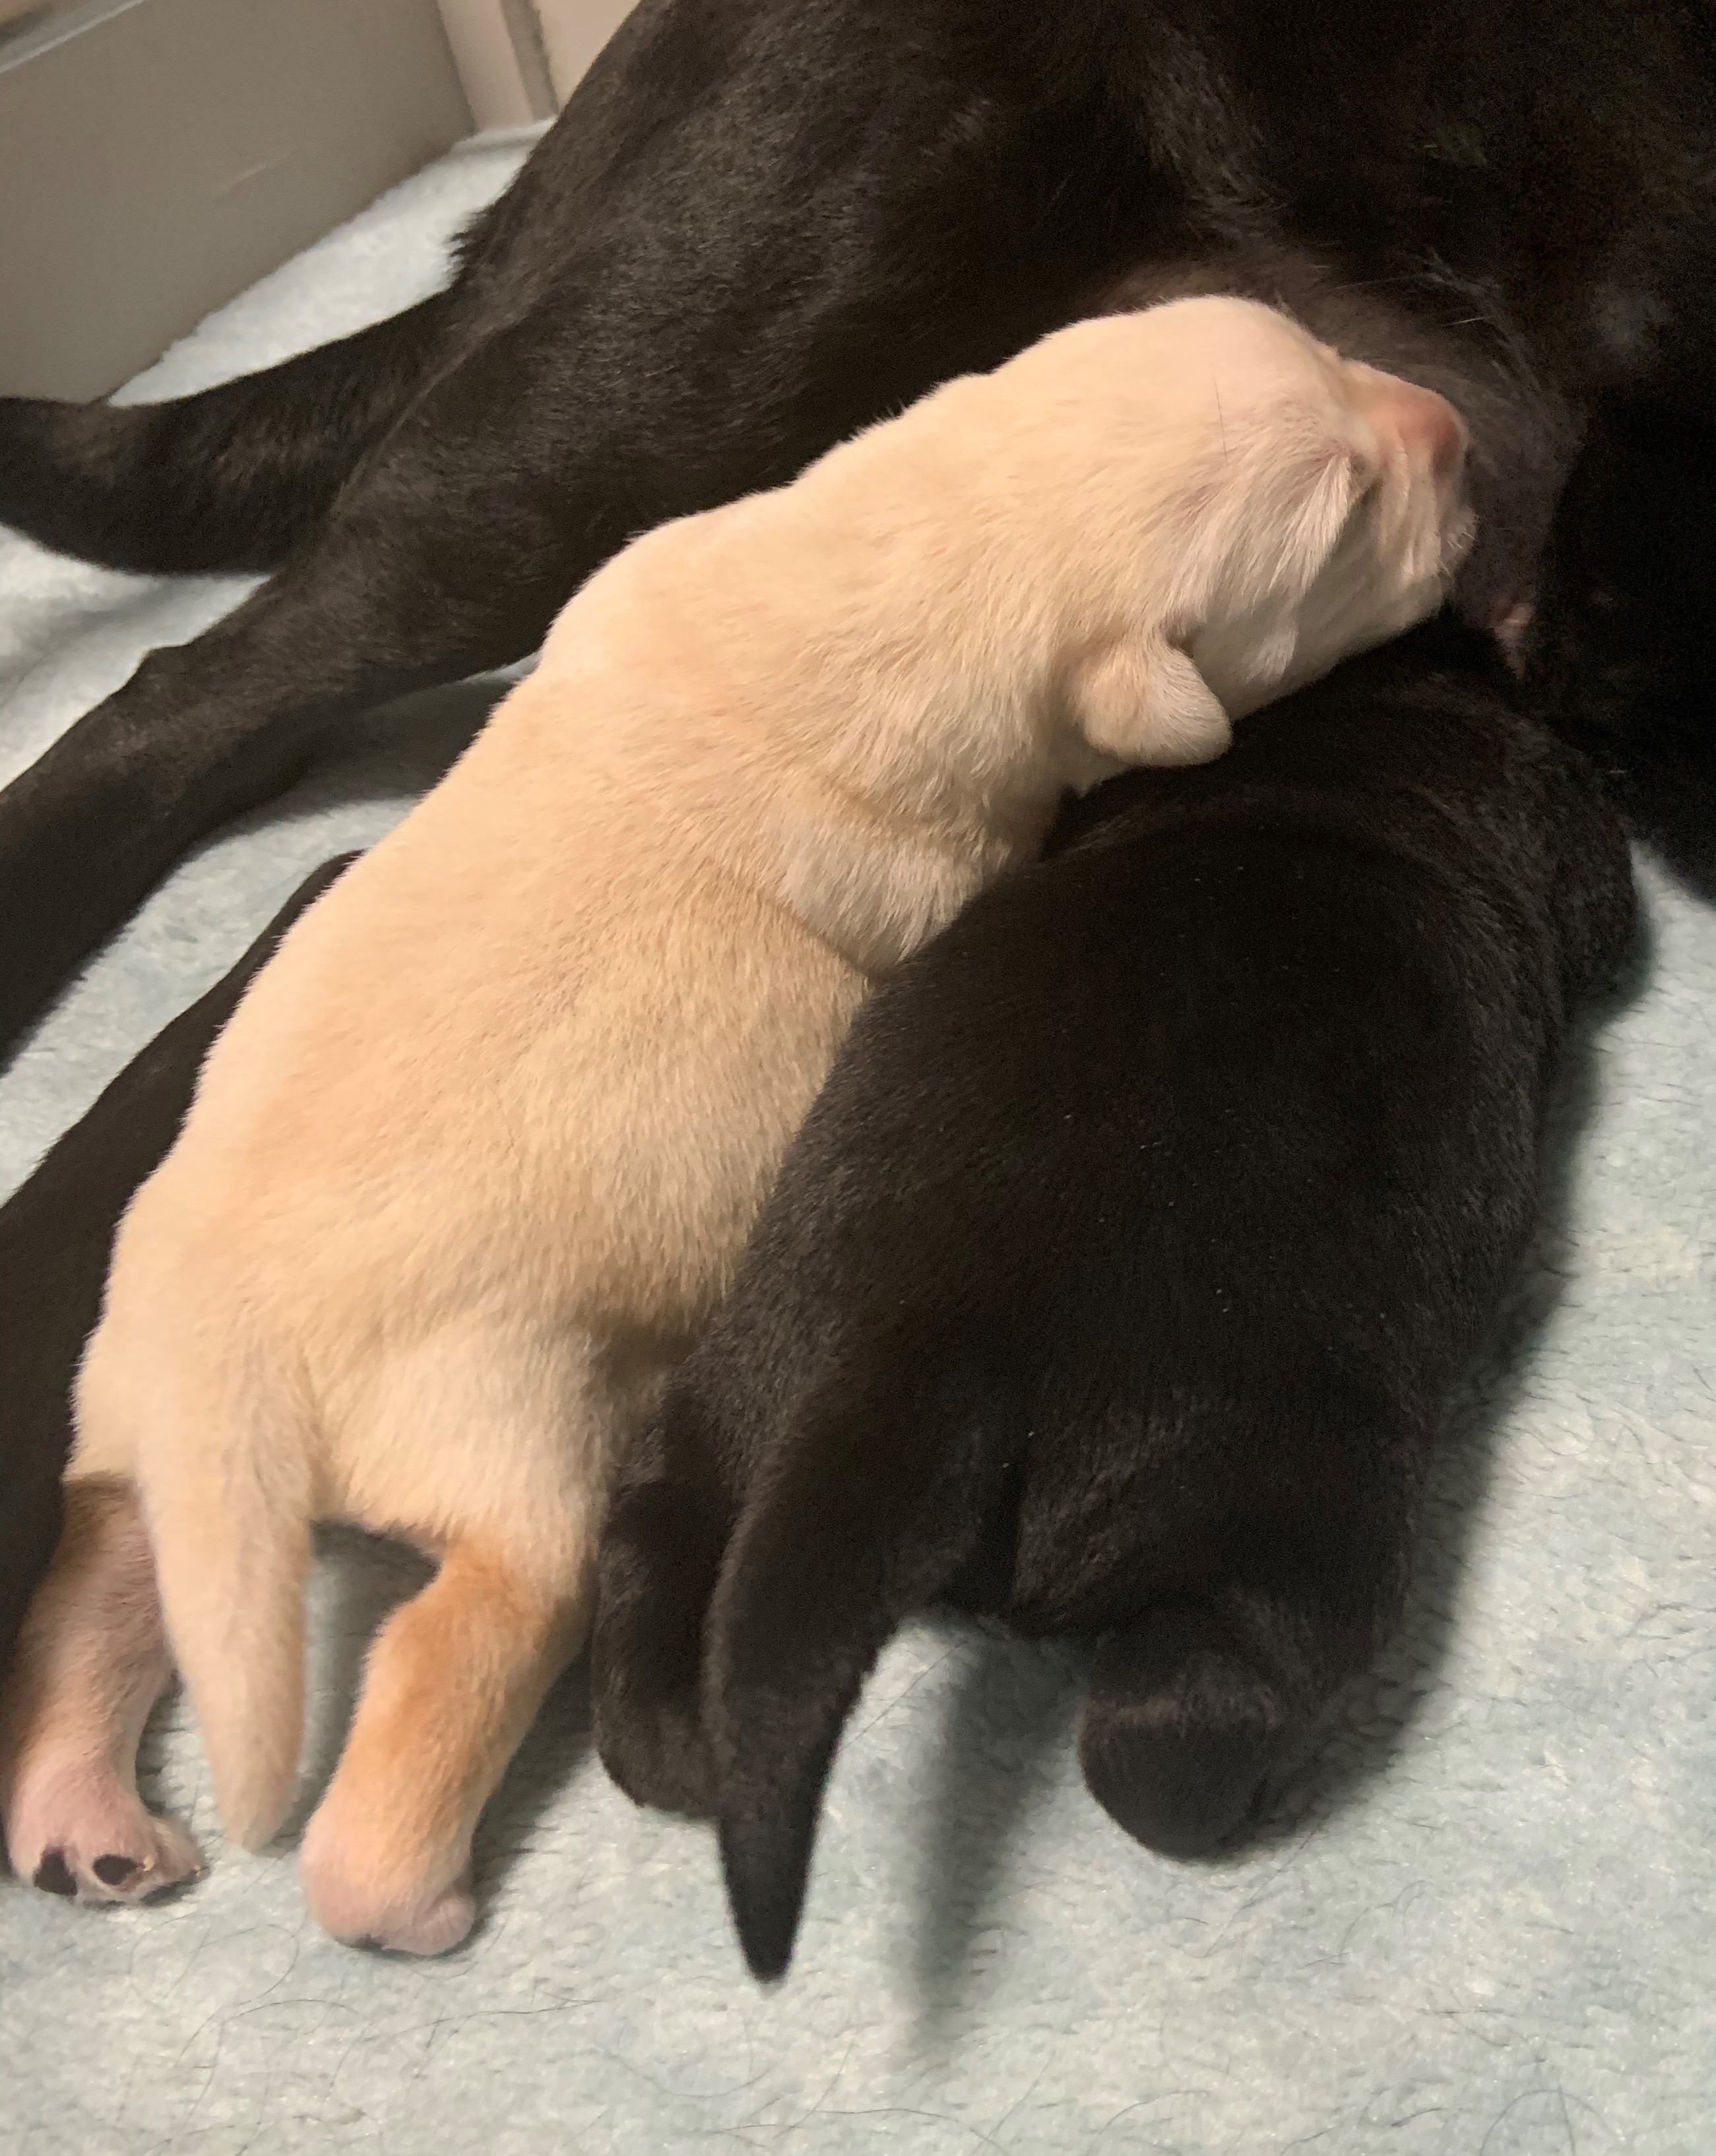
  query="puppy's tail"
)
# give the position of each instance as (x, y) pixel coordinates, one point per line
(837, 1551)
(228, 1493)
(226, 481)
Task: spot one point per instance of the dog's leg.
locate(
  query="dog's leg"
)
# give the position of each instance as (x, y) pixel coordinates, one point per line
(1185, 1710)
(56, 1234)
(91, 1662)
(205, 729)
(756, 228)
(224, 482)
(1190, 1706)
(494, 1449)
(660, 1559)
(454, 1681)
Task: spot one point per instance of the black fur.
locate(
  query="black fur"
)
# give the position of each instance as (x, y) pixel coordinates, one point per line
(1620, 653)
(1119, 1278)
(55, 1236)
(761, 222)
(226, 480)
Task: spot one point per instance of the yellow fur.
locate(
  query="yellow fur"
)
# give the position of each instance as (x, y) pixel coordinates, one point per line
(478, 1151)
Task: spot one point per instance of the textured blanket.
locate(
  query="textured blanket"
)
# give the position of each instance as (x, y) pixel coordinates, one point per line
(1481, 1923)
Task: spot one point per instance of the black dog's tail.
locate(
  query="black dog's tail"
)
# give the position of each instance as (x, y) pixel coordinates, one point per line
(833, 1554)
(225, 481)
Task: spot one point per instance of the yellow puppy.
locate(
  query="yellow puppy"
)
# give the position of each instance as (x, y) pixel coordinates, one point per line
(476, 1153)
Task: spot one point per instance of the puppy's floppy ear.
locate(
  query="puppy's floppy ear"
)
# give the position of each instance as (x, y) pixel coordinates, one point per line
(1142, 700)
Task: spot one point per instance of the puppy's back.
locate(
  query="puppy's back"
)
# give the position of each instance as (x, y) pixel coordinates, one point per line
(1225, 988)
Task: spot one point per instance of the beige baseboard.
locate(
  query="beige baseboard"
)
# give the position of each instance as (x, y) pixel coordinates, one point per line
(497, 47)
(573, 33)
(158, 155)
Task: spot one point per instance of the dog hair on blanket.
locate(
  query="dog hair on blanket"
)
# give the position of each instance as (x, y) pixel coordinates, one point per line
(474, 1157)
(1112, 1285)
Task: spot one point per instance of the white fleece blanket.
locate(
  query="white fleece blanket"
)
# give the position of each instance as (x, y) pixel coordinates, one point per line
(1483, 1925)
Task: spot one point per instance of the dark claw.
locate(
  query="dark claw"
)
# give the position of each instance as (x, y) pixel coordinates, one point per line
(112, 1870)
(53, 1876)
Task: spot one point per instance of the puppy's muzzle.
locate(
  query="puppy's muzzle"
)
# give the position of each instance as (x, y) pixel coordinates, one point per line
(1431, 432)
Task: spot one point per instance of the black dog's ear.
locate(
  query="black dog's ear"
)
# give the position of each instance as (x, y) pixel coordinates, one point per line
(863, 1527)
(1185, 1710)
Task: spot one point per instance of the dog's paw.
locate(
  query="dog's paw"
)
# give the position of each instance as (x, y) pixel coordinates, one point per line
(79, 1833)
(659, 1756)
(367, 1897)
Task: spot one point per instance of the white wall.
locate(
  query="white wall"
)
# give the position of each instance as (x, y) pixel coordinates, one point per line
(157, 155)
(166, 153)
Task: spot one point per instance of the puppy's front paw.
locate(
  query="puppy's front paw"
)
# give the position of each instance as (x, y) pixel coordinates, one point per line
(366, 1895)
(75, 1830)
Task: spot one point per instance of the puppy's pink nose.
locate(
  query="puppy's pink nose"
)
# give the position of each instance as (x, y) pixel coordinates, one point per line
(1430, 428)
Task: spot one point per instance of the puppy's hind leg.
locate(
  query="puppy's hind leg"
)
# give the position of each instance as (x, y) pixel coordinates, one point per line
(510, 1491)
(661, 1554)
(1190, 1705)
(1282, 1535)
(1185, 1709)
(454, 1681)
(91, 1662)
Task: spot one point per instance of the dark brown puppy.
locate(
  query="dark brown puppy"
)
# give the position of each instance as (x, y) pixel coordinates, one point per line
(762, 223)
(56, 1233)
(1120, 1277)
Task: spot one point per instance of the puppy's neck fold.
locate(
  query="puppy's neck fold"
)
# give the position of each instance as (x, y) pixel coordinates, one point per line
(875, 886)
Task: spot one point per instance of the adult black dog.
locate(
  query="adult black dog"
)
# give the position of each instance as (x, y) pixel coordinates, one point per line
(1119, 1278)
(761, 222)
